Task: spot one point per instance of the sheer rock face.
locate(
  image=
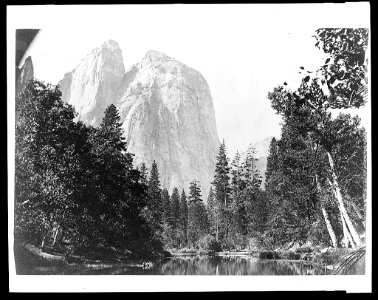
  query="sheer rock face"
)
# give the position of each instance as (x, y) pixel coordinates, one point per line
(165, 106)
(24, 74)
(168, 116)
(93, 84)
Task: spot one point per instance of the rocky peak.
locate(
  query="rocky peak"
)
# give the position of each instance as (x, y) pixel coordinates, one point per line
(165, 106)
(24, 74)
(153, 55)
(93, 84)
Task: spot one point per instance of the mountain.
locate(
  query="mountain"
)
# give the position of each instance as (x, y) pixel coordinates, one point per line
(93, 84)
(24, 74)
(165, 106)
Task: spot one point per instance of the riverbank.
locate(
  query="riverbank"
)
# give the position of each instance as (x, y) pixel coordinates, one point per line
(29, 258)
(342, 260)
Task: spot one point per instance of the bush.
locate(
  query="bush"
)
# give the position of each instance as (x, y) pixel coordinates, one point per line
(254, 243)
(209, 243)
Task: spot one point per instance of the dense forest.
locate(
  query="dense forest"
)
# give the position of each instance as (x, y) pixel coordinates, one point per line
(77, 190)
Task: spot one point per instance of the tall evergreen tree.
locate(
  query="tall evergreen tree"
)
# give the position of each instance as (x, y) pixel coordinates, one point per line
(166, 207)
(175, 208)
(184, 217)
(143, 173)
(154, 195)
(222, 192)
(197, 217)
(272, 160)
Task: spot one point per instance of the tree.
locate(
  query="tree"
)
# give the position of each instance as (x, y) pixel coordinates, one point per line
(197, 217)
(166, 206)
(183, 217)
(222, 191)
(143, 173)
(154, 195)
(272, 160)
(120, 194)
(344, 72)
(175, 208)
(49, 161)
(341, 84)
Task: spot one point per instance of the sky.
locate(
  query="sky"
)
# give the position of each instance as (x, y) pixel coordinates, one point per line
(243, 51)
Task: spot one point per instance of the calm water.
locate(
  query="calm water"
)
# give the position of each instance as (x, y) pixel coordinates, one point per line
(192, 266)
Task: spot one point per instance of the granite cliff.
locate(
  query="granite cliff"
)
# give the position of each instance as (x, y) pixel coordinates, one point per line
(165, 106)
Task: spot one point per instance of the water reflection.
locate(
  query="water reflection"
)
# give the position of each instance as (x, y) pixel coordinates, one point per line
(193, 266)
(235, 266)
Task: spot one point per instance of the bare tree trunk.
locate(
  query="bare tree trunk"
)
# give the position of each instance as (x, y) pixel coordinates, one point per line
(347, 239)
(331, 232)
(55, 235)
(43, 242)
(341, 202)
(217, 230)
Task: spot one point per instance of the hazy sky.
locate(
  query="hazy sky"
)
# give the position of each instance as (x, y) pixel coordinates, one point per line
(243, 51)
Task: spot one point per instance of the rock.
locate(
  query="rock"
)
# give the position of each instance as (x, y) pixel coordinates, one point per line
(165, 106)
(92, 86)
(24, 74)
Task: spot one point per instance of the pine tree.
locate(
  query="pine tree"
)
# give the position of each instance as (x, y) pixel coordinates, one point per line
(222, 192)
(272, 160)
(250, 172)
(221, 178)
(198, 224)
(143, 173)
(175, 208)
(184, 217)
(154, 195)
(166, 207)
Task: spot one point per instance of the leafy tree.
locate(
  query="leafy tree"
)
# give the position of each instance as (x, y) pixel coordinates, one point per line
(340, 85)
(344, 72)
(49, 161)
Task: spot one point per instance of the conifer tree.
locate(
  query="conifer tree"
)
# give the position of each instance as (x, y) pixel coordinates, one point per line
(272, 160)
(222, 192)
(175, 208)
(197, 217)
(166, 207)
(143, 173)
(154, 195)
(184, 217)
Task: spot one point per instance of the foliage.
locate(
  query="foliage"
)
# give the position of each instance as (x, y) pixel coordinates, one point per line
(75, 186)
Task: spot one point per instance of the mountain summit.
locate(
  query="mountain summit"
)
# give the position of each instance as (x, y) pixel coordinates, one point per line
(93, 84)
(165, 106)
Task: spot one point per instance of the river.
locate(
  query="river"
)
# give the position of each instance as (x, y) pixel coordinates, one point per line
(198, 265)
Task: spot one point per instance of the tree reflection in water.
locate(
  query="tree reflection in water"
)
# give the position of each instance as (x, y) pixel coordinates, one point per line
(193, 265)
(234, 266)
